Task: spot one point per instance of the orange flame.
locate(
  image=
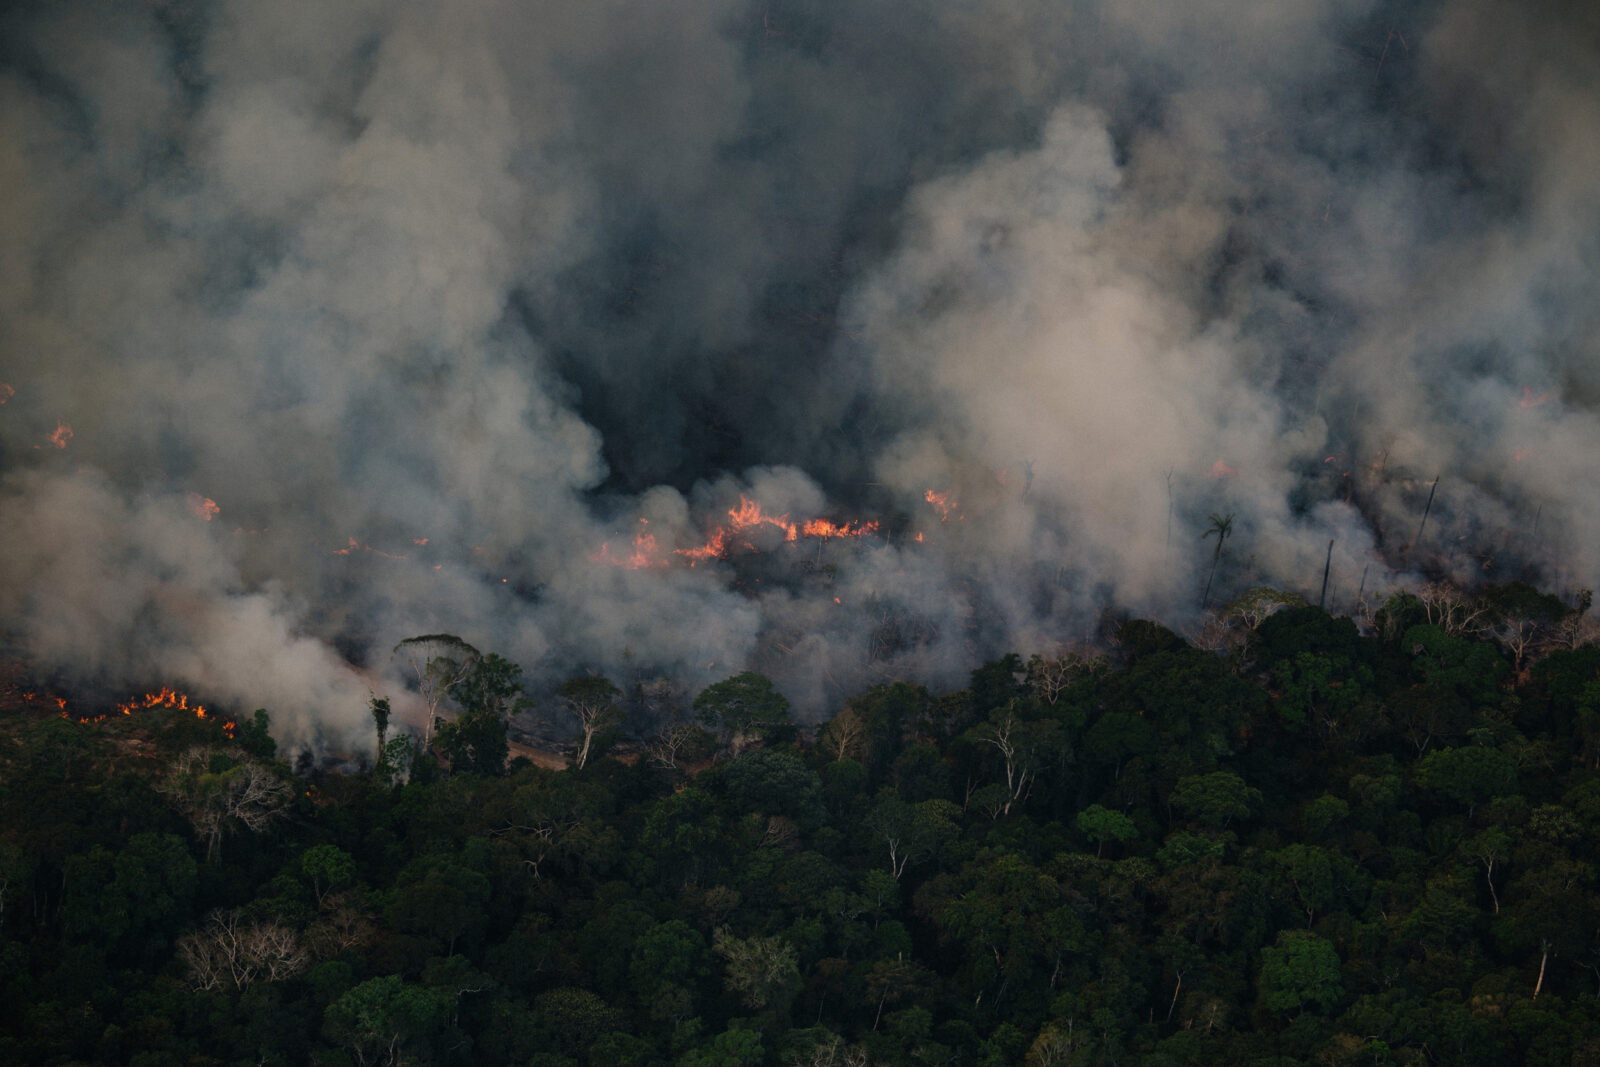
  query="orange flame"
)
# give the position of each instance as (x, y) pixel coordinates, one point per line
(1529, 400)
(943, 503)
(62, 434)
(824, 529)
(748, 515)
(165, 697)
(6, 392)
(644, 554)
(203, 507)
(1220, 469)
(356, 546)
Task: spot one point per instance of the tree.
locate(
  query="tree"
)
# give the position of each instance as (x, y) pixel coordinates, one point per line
(329, 867)
(1489, 847)
(743, 707)
(1300, 969)
(256, 738)
(492, 684)
(489, 693)
(1469, 776)
(438, 662)
(761, 970)
(229, 952)
(380, 719)
(774, 782)
(383, 1018)
(593, 700)
(843, 735)
(1222, 526)
(1101, 824)
(1024, 746)
(218, 790)
(1215, 799)
(912, 832)
(475, 743)
(731, 1048)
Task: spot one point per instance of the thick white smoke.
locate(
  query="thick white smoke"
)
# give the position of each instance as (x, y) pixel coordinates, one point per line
(447, 307)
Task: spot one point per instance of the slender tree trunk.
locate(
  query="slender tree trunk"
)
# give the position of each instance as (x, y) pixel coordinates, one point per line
(1206, 599)
(1545, 958)
(1173, 1006)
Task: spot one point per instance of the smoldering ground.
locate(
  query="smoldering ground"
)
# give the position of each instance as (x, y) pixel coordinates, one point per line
(434, 301)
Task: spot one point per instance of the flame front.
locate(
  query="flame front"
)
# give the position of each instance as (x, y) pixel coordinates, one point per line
(746, 517)
(62, 434)
(165, 697)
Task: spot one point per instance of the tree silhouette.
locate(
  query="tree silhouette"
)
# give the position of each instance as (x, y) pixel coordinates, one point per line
(1222, 526)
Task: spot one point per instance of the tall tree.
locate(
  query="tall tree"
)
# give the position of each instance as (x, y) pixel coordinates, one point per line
(1222, 526)
(438, 662)
(745, 706)
(593, 700)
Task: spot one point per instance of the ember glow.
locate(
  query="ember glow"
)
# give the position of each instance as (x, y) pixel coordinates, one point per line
(642, 555)
(353, 547)
(203, 507)
(61, 435)
(943, 504)
(6, 392)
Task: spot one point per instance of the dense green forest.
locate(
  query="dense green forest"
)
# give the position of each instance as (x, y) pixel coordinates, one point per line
(1308, 842)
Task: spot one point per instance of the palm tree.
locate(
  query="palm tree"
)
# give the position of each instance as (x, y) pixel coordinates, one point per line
(1222, 526)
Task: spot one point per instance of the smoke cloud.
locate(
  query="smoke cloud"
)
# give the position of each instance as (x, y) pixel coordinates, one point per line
(322, 326)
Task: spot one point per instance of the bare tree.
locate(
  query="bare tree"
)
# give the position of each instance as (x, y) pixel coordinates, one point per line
(674, 740)
(219, 790)
(342, 924)
(1050, 676)
(843, 734)
(1453, 610)
(1521, 637)
(1023, 746)
(230, 952)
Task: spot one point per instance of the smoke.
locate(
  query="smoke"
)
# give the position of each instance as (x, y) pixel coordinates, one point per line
(448, 307)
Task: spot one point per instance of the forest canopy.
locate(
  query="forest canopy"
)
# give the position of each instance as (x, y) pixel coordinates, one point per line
(1310, 841)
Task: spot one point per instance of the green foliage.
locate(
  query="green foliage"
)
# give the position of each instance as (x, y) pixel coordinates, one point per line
(743, 707)
(1215, 799)
(772, 782)
(383, 1018)
(1328, 848)
(1302, 969)
(1468, 776)
(1100, 825)
(255, 737)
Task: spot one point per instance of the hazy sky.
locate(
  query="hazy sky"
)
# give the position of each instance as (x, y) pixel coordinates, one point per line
(327, 324)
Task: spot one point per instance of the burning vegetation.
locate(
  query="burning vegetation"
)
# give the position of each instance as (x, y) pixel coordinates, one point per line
(744, 523)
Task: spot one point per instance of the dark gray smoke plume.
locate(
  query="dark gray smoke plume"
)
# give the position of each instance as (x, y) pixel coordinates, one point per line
(324, 325)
